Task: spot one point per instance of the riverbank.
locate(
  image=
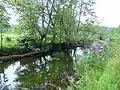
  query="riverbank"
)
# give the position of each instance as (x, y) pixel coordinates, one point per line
(14, 53)
(101, 73)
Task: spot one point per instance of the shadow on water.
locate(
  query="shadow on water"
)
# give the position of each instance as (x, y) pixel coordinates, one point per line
(39, 73)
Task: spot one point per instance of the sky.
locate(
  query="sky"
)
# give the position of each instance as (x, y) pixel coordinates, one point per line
(107, 11)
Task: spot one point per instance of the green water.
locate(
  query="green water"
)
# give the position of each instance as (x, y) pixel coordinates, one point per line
(38, 73)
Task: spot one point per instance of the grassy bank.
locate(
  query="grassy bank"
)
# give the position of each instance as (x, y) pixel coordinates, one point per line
(10, 39)
(101, 73)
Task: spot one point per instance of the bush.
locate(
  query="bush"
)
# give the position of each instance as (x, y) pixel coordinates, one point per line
(28, 43)
(10, 51)
(8, 39)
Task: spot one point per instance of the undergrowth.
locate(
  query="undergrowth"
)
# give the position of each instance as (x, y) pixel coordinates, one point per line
(101, 73)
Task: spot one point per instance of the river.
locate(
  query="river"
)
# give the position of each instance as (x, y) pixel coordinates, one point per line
(40, 73)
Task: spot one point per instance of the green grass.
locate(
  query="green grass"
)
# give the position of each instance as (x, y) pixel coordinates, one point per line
(13, 36)
(90, 69)
(10, 44)
(101, 73)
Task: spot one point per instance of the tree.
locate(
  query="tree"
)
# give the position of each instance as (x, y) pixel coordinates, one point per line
(3, 21)
(53, 21)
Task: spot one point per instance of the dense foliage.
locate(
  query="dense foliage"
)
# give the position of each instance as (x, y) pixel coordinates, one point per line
(43, 22)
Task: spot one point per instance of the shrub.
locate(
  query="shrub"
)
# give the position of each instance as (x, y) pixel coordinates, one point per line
(8, 39)
(28, 43)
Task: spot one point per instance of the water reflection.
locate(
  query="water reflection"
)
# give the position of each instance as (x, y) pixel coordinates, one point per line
(77, 53)
(7, 75)
(38, 73)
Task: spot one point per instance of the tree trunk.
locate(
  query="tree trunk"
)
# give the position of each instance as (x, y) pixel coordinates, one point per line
(1, 39)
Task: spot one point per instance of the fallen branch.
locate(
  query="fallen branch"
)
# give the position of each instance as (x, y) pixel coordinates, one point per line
(40, 53)
(4, 58)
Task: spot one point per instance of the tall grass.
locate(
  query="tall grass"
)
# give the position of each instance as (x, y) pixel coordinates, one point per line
(101, 73)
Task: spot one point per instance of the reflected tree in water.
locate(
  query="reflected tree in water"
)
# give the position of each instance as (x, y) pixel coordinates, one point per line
(46, 74)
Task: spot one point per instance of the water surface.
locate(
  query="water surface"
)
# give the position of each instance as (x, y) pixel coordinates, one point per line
(40, 73)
